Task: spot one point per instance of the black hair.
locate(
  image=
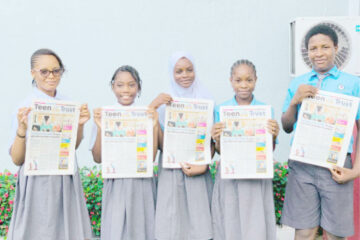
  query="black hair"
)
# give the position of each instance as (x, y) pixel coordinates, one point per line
(41, 52)
(242, 62)
(133, 72)
(321, 29)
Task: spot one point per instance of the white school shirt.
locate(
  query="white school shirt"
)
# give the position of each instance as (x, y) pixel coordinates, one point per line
(35, 94)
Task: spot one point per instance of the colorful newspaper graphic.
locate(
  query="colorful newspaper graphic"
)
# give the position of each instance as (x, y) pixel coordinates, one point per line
(187, 134)
(52, 133)
(126, 142)
(324, 129)
(246, 144)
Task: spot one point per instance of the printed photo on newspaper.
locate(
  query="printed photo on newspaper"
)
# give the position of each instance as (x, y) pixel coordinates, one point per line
(126, 142)
(246, 144)
(187, 134)
(324, 129)
(52, 132)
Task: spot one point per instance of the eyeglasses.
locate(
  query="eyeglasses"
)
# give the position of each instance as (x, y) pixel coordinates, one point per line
(57, 72)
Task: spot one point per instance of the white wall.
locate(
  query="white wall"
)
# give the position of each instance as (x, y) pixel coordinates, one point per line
(93, 39)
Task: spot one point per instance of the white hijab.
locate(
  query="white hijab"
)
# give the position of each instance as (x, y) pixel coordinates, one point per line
(196, 90)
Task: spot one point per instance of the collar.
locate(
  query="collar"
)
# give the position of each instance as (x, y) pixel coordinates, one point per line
(253, 101)
(335, 72)
(40, 94)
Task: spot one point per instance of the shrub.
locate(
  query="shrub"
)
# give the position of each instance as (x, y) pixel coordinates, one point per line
(92, 182)
(7, 194)
(279, 184)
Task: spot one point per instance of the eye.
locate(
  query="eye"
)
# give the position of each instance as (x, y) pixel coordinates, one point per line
(44, 71)
(119, 85)
(132, 85)
(178, 71)
(190, 69)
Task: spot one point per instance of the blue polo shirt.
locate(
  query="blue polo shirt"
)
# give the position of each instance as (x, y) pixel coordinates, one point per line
(336, 81)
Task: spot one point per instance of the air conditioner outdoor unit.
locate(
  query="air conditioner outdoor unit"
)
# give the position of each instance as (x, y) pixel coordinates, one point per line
(348, 31)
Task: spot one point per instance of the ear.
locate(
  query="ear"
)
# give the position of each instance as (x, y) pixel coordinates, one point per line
(32, 74)
(336, 49)
(230, 78)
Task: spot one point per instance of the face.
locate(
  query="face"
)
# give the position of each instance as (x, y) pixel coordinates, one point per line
(321, 52)
(125, 88)
(243, 82)
(184, 74)
(46, 84)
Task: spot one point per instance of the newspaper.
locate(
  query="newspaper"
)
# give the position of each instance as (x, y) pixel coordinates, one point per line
(126, 142)
(246, 144)
(52, 133)
(324, 129)
(187, 132)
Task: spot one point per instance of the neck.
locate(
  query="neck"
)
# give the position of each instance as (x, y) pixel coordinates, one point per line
(244, 101)
(324, 71)
(49, 93)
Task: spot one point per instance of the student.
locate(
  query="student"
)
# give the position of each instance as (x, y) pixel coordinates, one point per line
(184, 195)
(316, 196)
(128, 204)
(242, 208)
(46, 207)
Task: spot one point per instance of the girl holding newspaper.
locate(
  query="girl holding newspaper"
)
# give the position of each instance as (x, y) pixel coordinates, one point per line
(49, 206)
(184, 194)
(242, 208)
(128, 204)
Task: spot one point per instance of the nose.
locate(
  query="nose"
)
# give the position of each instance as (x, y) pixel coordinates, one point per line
(319, 52)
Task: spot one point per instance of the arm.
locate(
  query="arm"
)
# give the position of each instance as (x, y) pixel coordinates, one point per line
(289, 117)
(273, 128)
(84, 117)
(18, 148)
(96, 150)
(215, 134)
(156, 125)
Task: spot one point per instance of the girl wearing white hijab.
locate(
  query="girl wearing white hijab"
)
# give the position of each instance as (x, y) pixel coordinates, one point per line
(184, 195)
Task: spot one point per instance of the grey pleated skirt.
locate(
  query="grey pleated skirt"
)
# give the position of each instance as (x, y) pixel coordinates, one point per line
(183, 206)
(243, 209)
(49, 207)
(128, 209)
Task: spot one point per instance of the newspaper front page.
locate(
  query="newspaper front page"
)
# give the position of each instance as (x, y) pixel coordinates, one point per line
(126, 142)
(187, 134)
(52, 133)
(324, 129)
(246, 144)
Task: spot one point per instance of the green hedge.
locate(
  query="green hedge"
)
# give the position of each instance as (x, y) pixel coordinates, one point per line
(93, 183)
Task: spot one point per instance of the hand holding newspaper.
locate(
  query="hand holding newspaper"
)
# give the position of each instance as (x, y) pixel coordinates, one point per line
(324, 129)
(52, 133)
(187, 132)
(126, 142)
(246, 144)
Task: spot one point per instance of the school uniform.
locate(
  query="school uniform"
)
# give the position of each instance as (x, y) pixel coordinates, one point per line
(48, 207)
(183, 203)
(242, 209)
(312, 197)
(128, 206)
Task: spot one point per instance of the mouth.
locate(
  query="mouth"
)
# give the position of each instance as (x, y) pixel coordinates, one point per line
(52, 83)
(126, 97)
(320, 61)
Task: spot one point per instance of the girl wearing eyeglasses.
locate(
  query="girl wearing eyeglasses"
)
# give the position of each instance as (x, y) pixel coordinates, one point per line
(46, 207)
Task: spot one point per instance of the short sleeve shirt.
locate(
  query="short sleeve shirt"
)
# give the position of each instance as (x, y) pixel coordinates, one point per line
(336, 81)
